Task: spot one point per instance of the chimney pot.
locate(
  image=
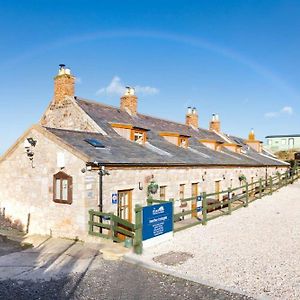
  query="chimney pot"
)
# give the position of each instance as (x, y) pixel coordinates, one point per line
(191, 118)
(215, 124)
(129, 101)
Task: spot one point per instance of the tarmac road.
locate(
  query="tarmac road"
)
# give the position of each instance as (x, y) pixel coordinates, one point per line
(114, 280)
(64, 269)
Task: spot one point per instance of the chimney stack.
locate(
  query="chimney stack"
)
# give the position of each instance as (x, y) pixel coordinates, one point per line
(64, 84)
(215, 124)
(191, 118)
(251, 136)
(129, 101)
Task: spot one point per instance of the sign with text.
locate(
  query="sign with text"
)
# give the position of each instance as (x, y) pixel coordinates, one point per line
(157, 220)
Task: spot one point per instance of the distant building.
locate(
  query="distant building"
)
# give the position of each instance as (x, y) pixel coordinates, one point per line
(283, 142)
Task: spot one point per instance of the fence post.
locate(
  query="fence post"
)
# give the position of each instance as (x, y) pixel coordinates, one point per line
(91, 227)
(138, 243)
(286, 178)
(260, 188)
(247, 195)
(229, 201)
(204, 209)
(271, 185)
(112, 225)
(279, 181)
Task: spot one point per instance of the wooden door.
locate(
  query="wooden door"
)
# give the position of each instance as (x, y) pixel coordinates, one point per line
(125, 205)
(124, 209)
(217, 189)
(194, 202)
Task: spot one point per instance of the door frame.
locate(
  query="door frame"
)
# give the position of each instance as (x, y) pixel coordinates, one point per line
(129, 192)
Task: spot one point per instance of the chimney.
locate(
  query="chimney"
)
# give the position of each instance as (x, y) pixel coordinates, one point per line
(64, 84)
(191, 118)
(129, 101)
(215, 123)
(251, 136)
(253, 143)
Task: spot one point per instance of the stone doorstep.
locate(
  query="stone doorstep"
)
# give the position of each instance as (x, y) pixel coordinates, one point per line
(114, 252)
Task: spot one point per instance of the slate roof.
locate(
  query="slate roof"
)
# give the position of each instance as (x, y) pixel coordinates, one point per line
(156, 151)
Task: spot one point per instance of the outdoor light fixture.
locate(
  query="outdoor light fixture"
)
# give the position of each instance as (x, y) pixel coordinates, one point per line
(223, 177)
(28, 144)
(32, 142)
(140, 186)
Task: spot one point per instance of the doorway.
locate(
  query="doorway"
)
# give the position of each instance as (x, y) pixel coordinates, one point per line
(217, 189)
(194, 202)
(125, 205)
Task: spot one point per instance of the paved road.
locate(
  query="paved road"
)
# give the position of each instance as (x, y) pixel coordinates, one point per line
(114, 280)
(62, 269)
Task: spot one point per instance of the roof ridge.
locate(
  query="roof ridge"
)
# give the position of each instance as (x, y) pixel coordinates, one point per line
(144, 115)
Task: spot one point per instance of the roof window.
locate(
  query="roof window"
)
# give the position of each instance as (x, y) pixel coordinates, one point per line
(95, 143)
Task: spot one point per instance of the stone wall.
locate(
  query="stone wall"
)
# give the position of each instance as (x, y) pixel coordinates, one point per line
(68, 115)
(133, 178)
(28, 190)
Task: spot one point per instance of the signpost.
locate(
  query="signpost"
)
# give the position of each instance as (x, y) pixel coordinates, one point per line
(157, 223)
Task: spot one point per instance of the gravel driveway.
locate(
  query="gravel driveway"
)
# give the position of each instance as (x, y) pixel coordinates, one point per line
(256, 250)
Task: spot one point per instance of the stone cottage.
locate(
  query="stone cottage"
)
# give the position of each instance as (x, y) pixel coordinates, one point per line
(84, 154)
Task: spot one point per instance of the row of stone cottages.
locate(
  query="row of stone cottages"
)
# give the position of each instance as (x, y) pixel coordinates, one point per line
(50, 176)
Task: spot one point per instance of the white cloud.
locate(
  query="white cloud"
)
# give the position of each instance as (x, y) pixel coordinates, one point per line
(117, 87)
(285, 110)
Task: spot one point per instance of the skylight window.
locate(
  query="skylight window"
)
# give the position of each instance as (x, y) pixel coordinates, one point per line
(95, 143)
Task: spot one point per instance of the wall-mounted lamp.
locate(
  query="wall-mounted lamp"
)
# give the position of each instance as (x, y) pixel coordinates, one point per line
(223, 177)
(140, 186)
(28, 144)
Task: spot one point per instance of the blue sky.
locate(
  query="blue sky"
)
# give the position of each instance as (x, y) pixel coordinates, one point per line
(236, 58)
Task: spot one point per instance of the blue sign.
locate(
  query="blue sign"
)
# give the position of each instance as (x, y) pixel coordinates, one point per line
(114, 198)
(199, 203)
(157, 220)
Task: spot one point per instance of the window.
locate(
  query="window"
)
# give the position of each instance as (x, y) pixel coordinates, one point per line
(269, 142)
(62, 188)
(162, 192)
(183, 142)
(139, 137)
(291, 142)
(95, 143)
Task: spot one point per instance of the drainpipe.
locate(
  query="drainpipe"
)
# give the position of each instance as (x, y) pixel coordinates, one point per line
(100, 202)
(102, 172)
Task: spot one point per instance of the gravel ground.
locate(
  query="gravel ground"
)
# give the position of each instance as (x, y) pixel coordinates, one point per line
(114, 280)
(256, 250)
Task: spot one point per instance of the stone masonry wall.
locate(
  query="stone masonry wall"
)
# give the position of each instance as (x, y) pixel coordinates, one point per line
(126, 179)
(25, 190)
(67, 115)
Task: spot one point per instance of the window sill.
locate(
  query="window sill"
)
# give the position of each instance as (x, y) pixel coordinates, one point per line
(62, 201)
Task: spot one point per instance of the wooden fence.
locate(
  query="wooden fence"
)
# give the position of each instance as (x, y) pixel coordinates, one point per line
(110, 226)
(225, 202)
(214, 205)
